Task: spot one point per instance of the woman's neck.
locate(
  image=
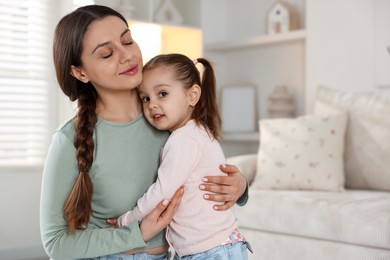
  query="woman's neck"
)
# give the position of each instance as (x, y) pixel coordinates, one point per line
(120, 108)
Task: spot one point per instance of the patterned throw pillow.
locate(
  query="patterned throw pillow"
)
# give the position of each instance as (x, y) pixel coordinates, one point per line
(367, 139)
(304, 153)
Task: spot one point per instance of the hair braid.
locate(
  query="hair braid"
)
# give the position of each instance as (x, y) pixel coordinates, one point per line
(78, 207)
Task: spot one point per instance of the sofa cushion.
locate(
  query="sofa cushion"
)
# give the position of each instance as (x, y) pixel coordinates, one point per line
(301, 153)
(356, 217)
(367, 140)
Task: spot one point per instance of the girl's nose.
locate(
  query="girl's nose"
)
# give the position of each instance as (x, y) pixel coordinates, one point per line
(152, 105)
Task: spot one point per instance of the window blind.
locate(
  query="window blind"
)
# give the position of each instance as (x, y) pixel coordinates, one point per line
(25, 60)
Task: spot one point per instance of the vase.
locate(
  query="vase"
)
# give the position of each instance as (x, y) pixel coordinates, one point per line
(281, 103)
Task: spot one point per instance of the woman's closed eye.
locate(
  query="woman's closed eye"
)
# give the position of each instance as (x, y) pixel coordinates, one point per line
(107, 55)
(128, 43)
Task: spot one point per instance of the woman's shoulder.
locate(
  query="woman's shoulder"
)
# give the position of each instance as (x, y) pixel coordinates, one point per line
(66, 128)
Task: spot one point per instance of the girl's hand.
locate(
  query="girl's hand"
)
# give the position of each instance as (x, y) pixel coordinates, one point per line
(226, 189)
(161, 216)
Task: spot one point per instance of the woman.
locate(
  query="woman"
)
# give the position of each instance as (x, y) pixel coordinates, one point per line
(103, 160)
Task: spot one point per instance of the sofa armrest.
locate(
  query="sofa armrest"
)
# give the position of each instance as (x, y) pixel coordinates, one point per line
(246, 164)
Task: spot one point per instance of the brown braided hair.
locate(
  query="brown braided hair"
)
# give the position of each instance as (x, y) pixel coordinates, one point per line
(206, 111)
(67, 50)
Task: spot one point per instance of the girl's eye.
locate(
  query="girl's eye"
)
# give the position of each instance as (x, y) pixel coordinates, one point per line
(145, 99)
(162, 94)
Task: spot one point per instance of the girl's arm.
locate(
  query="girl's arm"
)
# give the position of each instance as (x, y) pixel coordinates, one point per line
(179, 157)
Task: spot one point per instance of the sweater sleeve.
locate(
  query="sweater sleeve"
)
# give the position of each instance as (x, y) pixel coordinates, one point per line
(59, 174)
(180, 155)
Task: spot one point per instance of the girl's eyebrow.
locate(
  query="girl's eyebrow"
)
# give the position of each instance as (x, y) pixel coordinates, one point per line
(107, 42)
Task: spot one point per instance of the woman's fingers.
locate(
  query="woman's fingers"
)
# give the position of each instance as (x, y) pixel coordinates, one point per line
(161, 216)
(112, 222)
(226, 189)
(170, 211)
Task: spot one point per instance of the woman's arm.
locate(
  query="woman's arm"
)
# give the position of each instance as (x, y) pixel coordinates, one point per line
(59, 175)
(230, 189)
(58, 178)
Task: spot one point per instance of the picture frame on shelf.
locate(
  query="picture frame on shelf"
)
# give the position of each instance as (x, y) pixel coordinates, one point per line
(238, 108)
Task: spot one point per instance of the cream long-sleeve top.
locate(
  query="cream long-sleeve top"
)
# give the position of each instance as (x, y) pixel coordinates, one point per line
(188, 156)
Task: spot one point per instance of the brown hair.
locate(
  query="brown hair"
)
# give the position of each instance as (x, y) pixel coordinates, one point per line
(67, 50)
(206, 111)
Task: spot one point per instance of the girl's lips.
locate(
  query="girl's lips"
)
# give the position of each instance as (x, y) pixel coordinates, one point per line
(132, 70)
(157, 117)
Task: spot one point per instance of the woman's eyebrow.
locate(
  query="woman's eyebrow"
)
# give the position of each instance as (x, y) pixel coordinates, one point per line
(100, 45)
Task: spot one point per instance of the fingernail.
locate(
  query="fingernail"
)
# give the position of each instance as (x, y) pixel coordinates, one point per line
(215, 207)
(223, 165)
(205, 179)
(165, 202)
(206, 196)
(202, 187)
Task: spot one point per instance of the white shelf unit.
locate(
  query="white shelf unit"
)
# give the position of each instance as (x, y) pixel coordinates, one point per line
(255, 41)
(297, 35)
(243, 53)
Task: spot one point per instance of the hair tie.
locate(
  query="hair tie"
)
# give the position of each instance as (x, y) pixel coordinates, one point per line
(195, 61)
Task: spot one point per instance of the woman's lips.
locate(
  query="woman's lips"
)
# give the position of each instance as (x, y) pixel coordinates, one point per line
(132, 70)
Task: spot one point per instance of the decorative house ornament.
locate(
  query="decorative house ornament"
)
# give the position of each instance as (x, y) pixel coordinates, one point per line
(281, 18)
(168, 13)
(281, 103)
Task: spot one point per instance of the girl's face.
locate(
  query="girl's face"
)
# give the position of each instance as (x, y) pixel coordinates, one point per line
(111, 60)
(167, 104)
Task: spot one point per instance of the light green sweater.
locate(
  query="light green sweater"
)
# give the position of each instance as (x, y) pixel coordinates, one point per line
(126, 159)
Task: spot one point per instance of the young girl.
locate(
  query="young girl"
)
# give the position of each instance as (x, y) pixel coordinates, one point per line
(174, 98)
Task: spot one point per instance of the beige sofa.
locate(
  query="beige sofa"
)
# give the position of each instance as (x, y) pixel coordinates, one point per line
(350, 223)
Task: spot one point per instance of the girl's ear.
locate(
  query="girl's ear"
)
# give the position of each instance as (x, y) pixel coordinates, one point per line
(79, 74)
(194, 94)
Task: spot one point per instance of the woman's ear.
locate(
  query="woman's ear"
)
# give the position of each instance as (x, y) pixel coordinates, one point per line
(79, 74)
(194, 94)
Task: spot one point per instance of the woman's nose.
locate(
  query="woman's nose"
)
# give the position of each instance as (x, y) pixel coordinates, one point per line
(125, 54)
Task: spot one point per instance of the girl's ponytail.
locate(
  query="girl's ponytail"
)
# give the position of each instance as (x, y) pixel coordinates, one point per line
(206, 112)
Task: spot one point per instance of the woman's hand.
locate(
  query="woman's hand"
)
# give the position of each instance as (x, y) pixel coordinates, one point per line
(160, 217)
(226, 189)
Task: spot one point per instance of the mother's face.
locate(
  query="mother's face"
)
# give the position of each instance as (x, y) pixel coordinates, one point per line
(111, 60)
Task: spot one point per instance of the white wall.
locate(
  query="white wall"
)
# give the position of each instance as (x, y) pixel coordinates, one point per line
(19, 218)
(339, 45)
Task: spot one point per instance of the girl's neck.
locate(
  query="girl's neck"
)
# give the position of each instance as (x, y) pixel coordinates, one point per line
(120, 108)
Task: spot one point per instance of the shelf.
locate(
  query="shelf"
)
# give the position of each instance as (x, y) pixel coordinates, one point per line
(257, 41)
(241, 137)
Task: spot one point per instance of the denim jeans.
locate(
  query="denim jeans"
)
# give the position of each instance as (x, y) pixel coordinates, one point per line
(235, 251)
(140, 256)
